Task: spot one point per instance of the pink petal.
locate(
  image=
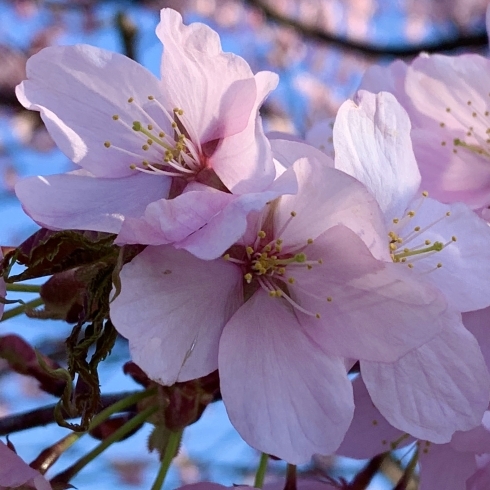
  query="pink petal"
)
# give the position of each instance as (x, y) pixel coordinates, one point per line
(435, 390)
(243, 161)
(443, 467)
(172, 308)
(478, 323)
(216, 90)
(204, 221)
(327, 197)
(464, 275)
(78, 89)
(287, 151)
(80, 202)
(14, 472)
(377, 310)
(476, 441)
(283, 394)
(369, 433)
(372, 143)
(480, 480)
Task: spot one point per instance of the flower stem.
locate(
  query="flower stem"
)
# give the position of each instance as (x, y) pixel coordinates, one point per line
(262, 468)
(24, 288)
(170, 450)
(135, 422)
(290, 477)
(18, 310)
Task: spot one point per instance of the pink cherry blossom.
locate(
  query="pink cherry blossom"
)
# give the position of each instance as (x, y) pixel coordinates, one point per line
(446, 466)
(140, 140)
(447, 100)
(15, 473)
(314, 293)
(443, 385)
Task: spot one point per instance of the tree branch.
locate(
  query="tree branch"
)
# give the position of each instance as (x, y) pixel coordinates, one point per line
(45, 415)
(475, 40)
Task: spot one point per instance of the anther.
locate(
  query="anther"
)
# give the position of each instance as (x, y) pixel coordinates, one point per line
(261, 234)
(293, 213)
(226, 256)
(309, 241)
(107, 144)
(115, 117)
(145, 147)
(131, 99)
(425, 194)
(329, 299)
(150, 97)
(150, 127)
(291, 280)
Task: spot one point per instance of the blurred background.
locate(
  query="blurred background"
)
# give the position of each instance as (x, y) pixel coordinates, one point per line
(320, 49)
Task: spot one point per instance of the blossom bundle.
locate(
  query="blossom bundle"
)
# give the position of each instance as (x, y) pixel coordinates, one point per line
(285, 269)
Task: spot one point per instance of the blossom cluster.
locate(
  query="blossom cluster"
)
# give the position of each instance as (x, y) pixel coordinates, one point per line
(289, 265)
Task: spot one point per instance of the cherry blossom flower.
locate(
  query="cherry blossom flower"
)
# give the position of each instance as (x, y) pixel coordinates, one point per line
(140, 140)
(280, 310)
(447, 466)
(444, 385)
(15, 473)
(448, 102)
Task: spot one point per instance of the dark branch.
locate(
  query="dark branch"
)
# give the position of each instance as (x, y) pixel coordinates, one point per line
(45, 415)
(475, 40)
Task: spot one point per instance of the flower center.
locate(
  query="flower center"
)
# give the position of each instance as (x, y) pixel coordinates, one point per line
(176, 155)
(475, 124)
(403, 234)
(269, 264)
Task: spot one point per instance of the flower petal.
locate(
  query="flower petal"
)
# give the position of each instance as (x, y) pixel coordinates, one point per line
(372, 143)
(435, 390)
(216, 90)
(327, 197)
(369, 309)
(83, 202)
(283, 394)
(370, 433)
(243, 161)
(171, 315)
(78, 89)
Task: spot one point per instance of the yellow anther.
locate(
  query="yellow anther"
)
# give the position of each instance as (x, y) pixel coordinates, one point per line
(115, 117)
(150, 97)
(425, 194)
(279, 241)
(320, 261)
(145, 147)
(161, 134)
(406, 250)
(410, 266)
(282, 271)
(309, 241)
(317, 315)
(272, 294)
(226, 256)
(392, 235)
(417, 228)
(249, 250)
(150, 127)
(267, 248)
(278, 293)
(396, 220)
(107, 144)
(248, 277)
(404, 259)
(174, 125)
(309, 267)
(439, 265)
(293, 213)
(145, 163)
(291, 280)
(427, 242)
(453, 238)
(411, 214)
(130, 100)
(329, 299)
(261, 234)
(392, 247)
(132, 166)
(448, 213)
(149, 141)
